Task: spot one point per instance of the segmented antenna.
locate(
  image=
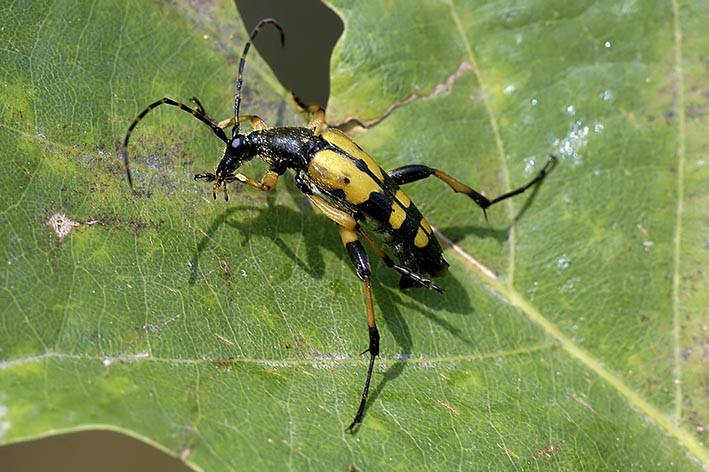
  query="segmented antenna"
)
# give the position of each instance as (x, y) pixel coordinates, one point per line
(198, 112)
(240, 76)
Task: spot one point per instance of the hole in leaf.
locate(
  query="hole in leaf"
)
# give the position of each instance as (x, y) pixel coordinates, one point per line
(311, 30)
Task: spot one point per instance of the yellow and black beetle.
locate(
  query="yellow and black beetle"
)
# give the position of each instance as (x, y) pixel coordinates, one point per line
(346, 184)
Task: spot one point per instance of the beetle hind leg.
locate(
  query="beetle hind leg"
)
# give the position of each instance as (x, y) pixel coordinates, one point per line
(412, 173)
(347, 222)
(409, 278)
(359, 259)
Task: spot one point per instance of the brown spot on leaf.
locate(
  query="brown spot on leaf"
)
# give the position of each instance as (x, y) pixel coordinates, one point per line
(448, 407)
(61, 224)
(549, 450)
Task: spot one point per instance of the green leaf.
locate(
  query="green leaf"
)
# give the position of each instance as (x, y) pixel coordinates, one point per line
(572, 334)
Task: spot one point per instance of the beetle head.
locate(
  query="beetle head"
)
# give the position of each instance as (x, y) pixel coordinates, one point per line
(236, 153)
(238, 148)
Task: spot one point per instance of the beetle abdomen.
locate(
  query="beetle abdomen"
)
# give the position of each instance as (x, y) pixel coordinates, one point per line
(352, 181)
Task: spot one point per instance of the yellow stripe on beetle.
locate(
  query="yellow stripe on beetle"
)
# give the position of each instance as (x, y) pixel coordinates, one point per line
(344, 142)
(335, 171)
(398, 209)
(421, 239)
(397, 217)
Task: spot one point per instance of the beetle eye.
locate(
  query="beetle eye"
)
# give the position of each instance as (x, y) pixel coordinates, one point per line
(237, 142)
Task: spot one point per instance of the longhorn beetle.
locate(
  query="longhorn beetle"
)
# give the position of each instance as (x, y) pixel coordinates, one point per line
(343, 182)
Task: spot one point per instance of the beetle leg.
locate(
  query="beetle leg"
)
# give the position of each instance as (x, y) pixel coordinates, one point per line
(268, 180)
(414, 277)
(412, 173)
(317, 119)
(257, 123)
(359, 259)
(349, 229)
(346, 220)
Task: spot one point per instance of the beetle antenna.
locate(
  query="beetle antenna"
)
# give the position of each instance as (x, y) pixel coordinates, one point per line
(240, 76)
